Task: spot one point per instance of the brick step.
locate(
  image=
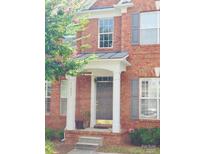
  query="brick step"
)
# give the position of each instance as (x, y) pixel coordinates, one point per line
(89, 139)
(86, 146)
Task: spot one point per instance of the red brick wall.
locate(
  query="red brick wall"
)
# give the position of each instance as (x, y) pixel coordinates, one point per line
(92, 32)
(143, 59)
(54, 119)
(104, 3)
(83, 96)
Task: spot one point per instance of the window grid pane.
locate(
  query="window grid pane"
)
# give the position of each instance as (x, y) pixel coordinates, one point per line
(149, 98)
(63, 99)
(149, 28)
(106, 32)
(47, 105)
(47, 96)
(63, 106)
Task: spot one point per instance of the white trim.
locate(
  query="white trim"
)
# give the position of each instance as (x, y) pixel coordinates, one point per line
(66, 97)
(157, 4)
(157, 98)
(106, 33)
(149, 28)
(116, 128)
(93, 103)
(71, 103)
(157, 71)
(47, 96)
(102, 13)
(108, 12)
(108, 64)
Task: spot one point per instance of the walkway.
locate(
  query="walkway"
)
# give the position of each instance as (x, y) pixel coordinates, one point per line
(77, 151)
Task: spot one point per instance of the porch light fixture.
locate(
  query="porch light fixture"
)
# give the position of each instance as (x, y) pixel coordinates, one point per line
(157, 71)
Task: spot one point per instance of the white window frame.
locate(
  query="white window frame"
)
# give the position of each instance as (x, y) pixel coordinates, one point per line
(148, 28)
(47, 96)
(66, 97)
(157, 98)
(106, 32)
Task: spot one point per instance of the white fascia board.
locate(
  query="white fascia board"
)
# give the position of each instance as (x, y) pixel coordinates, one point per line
(126, 5)
(123, 7)
(108, 64)
(102, 13)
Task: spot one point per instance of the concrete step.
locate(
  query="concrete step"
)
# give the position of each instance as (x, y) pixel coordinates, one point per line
(90, 139)
(86, 146)
(79, 151)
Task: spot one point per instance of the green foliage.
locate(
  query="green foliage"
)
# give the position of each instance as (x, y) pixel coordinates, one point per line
(49, 147)
(51, 134)
(60, 134)
(63, 19)
(145, 136)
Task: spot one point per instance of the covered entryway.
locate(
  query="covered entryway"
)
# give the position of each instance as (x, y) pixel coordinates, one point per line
(104, 96)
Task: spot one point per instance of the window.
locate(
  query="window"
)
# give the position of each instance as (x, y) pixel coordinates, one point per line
(149, 98)
(63, 97)
(149, 27)
(48, 96)
(146, 28)
(106, 32)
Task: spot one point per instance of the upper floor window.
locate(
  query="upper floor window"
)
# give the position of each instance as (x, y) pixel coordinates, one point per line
(47, 96)
(106, 26)
(146, 28)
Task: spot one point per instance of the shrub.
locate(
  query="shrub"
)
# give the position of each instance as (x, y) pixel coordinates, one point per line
(60, 134)
(49, 147)
(145, 136)
(51, 134)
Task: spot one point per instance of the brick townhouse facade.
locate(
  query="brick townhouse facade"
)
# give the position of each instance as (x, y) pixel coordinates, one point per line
(119, 90)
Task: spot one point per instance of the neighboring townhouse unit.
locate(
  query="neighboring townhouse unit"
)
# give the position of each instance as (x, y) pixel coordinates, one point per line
(120, 90)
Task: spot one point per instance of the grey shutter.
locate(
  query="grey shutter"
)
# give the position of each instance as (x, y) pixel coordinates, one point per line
(135, 28)
(135, 99)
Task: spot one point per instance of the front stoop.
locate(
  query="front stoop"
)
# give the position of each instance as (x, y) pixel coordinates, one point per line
(89, 143)
(78, 151)
(109, 138)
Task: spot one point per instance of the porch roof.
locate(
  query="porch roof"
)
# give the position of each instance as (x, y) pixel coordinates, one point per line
(104, 55)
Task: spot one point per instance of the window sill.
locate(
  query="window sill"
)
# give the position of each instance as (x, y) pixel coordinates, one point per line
(100, 48)
(148, 119)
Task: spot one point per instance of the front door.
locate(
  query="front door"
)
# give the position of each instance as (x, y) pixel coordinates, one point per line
(104, 106)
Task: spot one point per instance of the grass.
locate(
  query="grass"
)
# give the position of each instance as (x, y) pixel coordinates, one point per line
(129, 150)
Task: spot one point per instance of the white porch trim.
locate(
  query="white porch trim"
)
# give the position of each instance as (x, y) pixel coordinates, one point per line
(113, 67)
(93, 103)
(71, 103)
(116, 102)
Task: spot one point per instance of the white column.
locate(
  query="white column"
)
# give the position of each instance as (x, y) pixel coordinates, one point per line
(71, 103)
(116, 102)
(93, 103)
